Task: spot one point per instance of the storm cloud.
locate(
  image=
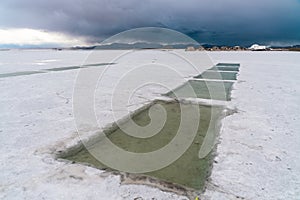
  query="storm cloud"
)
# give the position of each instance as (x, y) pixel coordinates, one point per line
(232, 22)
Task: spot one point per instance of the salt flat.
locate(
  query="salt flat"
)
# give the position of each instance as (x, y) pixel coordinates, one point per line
(257, 154)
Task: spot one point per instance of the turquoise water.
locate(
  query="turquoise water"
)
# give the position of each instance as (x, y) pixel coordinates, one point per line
(215, 90)
(236, 69)
(78, 67)
(228, 64)
(218, 75)
(20, 74)
(188, 171)
(63, 68)
(24, 73)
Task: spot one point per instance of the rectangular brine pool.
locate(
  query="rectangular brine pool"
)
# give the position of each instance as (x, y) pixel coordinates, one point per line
(218, 75)
(188, 171)
(215, 90)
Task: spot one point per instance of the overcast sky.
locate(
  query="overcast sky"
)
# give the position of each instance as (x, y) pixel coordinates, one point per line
(232, 22)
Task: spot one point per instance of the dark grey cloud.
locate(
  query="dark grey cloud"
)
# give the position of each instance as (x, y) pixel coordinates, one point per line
(207, 21)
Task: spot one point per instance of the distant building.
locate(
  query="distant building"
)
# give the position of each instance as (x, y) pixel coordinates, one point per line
(201, 48)
(256, 47)
(224, 48)
(190, 49)
(215, 48)
(238, 48)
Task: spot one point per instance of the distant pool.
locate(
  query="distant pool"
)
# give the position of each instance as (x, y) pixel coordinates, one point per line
(26, 73)
(215, 90)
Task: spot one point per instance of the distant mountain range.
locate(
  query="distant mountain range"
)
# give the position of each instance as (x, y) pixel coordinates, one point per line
(138, 45)
(142, 45)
